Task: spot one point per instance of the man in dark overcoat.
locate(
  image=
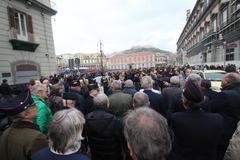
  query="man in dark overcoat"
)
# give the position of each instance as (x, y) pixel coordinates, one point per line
(227, 104)
(196, 133)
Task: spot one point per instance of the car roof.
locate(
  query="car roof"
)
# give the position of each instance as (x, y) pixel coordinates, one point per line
(209, 71)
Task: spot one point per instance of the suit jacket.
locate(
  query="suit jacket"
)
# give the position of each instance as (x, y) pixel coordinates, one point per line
(156, 102)
(168, 97)
(227, 104)
(46, 154)
(196, 135)
(120, 103)
(80, 101)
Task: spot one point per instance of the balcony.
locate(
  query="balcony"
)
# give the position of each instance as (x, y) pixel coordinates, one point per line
(212, 38)
(230, 21)
(20, 42)
(195, 49)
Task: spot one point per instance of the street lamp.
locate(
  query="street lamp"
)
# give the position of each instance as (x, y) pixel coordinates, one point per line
(224, 44)
(101, 57)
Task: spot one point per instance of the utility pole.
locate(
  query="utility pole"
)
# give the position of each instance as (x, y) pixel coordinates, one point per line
(101, 57)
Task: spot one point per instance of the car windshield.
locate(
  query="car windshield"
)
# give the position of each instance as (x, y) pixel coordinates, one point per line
(214, 76)
(98, 79)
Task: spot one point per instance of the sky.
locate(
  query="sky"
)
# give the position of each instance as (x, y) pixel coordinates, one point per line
(79, 25)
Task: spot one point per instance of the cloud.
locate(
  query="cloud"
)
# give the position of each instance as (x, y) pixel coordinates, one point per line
(120, 24)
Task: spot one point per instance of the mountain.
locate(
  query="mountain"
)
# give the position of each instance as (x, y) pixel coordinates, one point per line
(144, 49)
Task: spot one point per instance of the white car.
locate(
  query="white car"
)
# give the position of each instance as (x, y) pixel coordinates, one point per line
(98, 79)
(215, 76)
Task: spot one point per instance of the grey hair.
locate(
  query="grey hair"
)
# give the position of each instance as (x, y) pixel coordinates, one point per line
(101, 100)
(38, 87)
(65, 130)
(232, 78)
(175, 80)
(128, 83)
(140, 99)
(147, 82)
(146, 131)
(195, 79)
(116, 85)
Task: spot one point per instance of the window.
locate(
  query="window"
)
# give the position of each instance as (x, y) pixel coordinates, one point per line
(214, 76)
(21, 31)
(238, 5)
(207, 2)
(214, 25)
(4, 75)
(229, 54)
(238, 9)
(198, 38)
(20, 24)
(207, 29)
(224, 16)
(20, 19)
(204, 57)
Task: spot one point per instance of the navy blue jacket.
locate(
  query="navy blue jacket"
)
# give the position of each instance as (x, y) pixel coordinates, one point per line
(156, 102)
(80, 101)
(130, 90)
(48, 155)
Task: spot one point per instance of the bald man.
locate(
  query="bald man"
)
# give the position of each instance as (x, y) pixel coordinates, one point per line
(227, 104)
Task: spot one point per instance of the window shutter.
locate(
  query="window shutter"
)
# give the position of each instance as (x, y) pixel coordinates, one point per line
(29, 24)
(11, 12)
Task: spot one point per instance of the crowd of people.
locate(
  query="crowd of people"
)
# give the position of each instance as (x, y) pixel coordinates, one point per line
(140, 114)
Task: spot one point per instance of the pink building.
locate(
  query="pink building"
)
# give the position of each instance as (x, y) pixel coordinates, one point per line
(124, 61)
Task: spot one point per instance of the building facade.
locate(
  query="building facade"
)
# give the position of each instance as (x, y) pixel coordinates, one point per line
(128, 59)
(91, 61)
(26, 40)
(161, 60)
(212, 34)
(63, 60)
(124, 61)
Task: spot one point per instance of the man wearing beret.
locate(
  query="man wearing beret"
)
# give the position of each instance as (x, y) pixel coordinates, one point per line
(23, 138)
(196, 133)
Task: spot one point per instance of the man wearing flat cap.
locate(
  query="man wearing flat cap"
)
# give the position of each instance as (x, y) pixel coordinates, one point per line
(75, 89)
(23, 138)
